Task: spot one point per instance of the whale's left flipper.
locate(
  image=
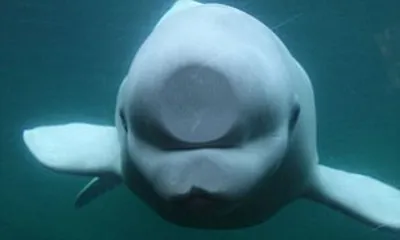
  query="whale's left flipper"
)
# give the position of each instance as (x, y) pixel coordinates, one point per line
(362, 197)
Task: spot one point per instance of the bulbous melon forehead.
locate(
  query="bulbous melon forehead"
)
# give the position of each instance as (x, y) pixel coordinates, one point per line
(181, 72)
(196, 89)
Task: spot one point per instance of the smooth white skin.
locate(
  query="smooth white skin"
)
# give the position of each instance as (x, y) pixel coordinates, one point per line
(258, 176)
(273, 158)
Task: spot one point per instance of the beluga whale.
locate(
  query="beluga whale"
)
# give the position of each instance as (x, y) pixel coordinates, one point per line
(215, 128)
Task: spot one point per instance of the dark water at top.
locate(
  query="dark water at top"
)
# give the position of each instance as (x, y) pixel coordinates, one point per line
(63, 60)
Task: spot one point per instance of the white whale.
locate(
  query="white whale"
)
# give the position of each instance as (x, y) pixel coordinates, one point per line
(215, 128)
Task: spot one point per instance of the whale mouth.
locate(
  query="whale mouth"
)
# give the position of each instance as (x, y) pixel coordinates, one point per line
(200, 202)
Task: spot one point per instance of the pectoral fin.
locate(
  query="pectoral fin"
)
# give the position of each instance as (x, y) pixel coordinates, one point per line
(362, 197)
(75, 148)
(95, 188)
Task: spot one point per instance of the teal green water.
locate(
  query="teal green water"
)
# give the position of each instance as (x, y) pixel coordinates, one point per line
(63, 60)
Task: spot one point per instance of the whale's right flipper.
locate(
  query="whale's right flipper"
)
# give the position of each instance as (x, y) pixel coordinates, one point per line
(79, 149)
(75, 148)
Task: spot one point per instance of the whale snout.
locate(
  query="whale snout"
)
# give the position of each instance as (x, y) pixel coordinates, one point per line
(197, 184)
(191, 176)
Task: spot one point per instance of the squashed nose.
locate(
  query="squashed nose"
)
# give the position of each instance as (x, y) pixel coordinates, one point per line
(202, 174)
(198, 105)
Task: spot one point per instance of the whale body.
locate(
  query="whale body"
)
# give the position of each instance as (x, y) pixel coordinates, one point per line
(215, 128)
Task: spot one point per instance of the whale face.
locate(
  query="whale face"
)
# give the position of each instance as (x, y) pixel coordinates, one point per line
(204, 146)
(203, 128)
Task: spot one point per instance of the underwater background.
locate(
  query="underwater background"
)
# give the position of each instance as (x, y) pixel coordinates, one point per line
(64, 60)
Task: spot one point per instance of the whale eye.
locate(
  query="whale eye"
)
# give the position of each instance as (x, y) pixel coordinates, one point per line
(123, 120)
(294, 116)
